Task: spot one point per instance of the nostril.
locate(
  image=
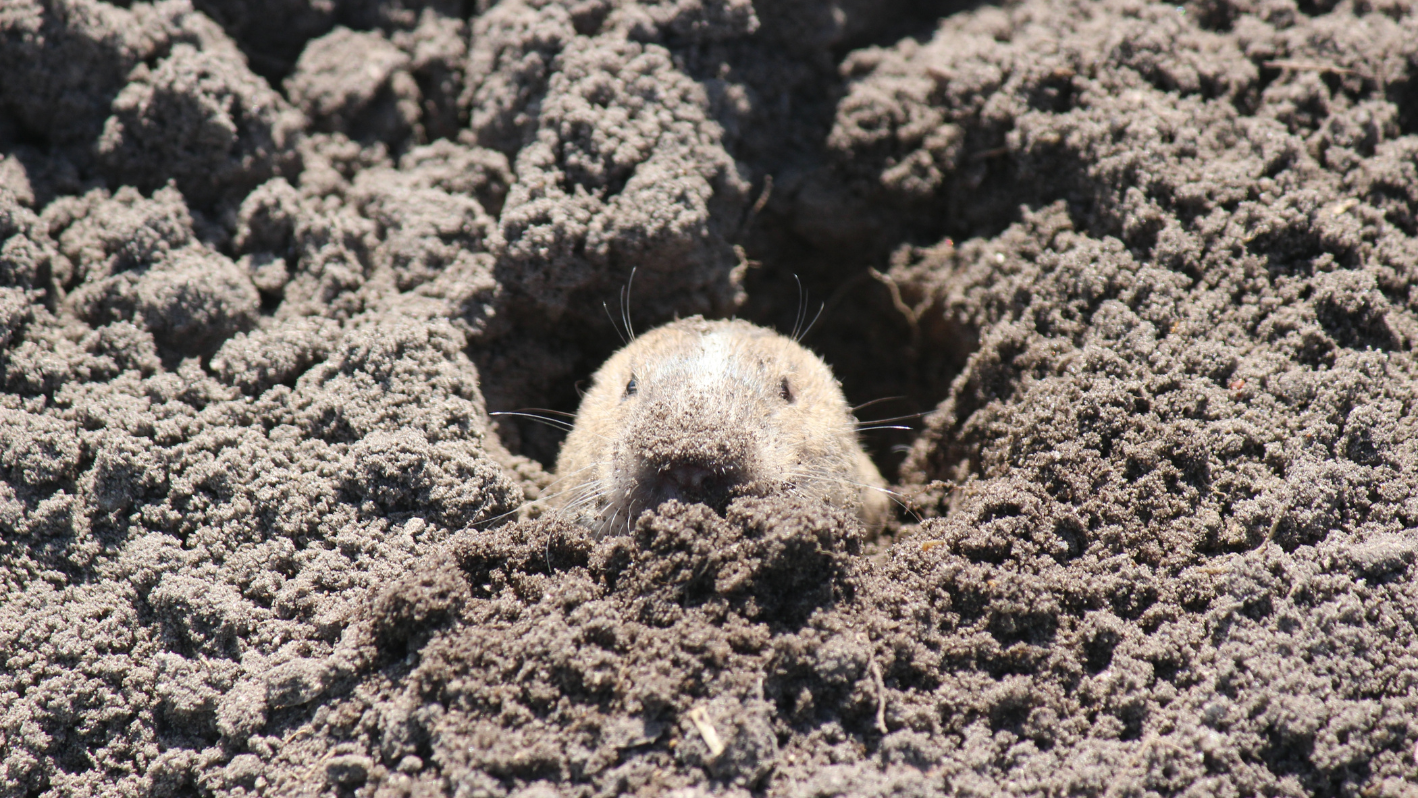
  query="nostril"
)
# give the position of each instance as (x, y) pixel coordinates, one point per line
(686, 477)
(696, 482)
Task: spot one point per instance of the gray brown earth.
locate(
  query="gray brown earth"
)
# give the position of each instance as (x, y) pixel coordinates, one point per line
(266, 266)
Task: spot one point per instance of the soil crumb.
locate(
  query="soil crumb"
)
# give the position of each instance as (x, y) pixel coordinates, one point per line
(266, 267)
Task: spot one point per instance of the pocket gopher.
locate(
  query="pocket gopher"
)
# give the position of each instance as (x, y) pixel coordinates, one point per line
(694, 409)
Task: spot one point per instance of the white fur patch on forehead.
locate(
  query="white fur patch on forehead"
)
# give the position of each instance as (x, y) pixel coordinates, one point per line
(712, 362)
(703, 361)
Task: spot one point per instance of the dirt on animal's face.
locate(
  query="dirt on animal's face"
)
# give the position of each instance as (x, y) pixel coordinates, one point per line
(697, 410)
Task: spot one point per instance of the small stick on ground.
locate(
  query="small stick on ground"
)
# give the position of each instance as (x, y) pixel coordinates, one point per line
(699, 716)
(880, 696)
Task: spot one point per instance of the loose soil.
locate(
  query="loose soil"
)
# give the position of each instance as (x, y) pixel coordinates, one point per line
(1150, 272)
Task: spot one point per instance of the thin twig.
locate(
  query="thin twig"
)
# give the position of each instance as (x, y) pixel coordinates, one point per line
(699, 716)
(880, 696)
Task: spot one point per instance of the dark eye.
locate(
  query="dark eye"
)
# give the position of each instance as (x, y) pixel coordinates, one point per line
(785, 390)
(631, 387)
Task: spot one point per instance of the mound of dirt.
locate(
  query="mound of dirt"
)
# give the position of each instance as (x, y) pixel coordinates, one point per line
(265, 268)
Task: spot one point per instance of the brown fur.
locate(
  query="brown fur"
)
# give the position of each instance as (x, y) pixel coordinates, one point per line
(715, 405)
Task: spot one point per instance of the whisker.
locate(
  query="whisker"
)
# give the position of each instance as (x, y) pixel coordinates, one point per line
(906, 417)
(798, 319)
(608, 527)
(542, 499)
(479, 521)
(590, 505)
(876, 401)
(582, 485)
(573, 415)
(625, 302)
(546, 497)
(581, 494)
(484, 523)
(621, 335)
(550, 422)
(629, 517)
(883, 426)
(820, 308)
(827, 476)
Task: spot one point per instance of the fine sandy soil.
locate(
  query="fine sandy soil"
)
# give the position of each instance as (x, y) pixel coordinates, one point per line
(265, 267)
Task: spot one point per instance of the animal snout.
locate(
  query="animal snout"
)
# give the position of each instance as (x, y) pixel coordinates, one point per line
(689, 447)
(697, 482)
(696, 464)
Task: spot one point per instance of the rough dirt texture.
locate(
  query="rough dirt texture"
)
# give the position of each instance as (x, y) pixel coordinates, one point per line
(264, 268)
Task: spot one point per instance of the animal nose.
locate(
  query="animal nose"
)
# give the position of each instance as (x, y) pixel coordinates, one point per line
(697, 482)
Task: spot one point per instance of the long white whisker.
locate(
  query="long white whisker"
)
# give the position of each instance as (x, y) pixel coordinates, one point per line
(831, 476)
(629, 517)
(585, 491)
(608, 527)
(573, 415)
(820, 308)
(625, 302)
(553, 422)
(827, 476)
(906, 417)
(482, 522)
(550, 422)
(802, 304)
(545, 496)
(621, 335)
(586, 501)
(475, 522)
